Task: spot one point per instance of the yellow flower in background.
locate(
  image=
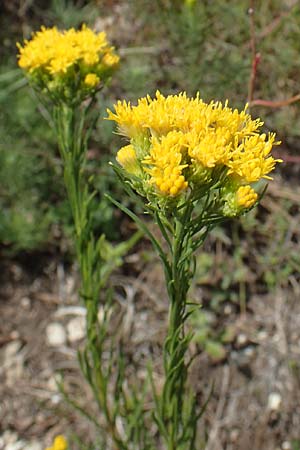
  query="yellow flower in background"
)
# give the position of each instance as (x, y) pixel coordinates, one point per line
(61, 62)
(59, 443)
(110, 59)
(91, 79)
(182, 144)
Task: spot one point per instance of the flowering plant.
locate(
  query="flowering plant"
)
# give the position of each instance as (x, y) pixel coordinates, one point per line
(67, 69)
(68, 65)
(195, 164)
(180, 148)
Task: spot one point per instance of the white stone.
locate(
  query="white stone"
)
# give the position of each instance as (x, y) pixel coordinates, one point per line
(19, 445)
(56, 399)
(249, 352)
(262, 335)
(9, 437)
(56, 334)
(25, 302)
(274, 401)
(228, 309)
(242, 339)
(76, 329)
(286, 445)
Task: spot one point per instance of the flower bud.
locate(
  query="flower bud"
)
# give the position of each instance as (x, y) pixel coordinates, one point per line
(237, 201)
(126, 157)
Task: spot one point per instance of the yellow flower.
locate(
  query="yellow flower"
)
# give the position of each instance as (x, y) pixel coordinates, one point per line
(65, 61)
(209, 148)
(126, 157)
(250, 159)
(246, 196)
(110, 59)
(165, 164)
(59, 443)
(184, 143)
(91, 80)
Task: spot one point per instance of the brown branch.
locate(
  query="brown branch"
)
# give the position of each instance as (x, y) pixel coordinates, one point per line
(254, 55)
(256, 59)
(275, 104)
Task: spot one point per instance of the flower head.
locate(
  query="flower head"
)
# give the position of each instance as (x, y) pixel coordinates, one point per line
(59, 443)
(246, 196)
(183, 144)
(91, 79)
(127, 158)
(67, 64)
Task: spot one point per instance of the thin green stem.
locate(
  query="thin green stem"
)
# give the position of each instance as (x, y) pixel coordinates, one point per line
(72, 138)
(176, 343)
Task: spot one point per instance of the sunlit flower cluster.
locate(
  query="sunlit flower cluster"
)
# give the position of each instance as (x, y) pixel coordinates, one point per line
(179, 144)
(68, 63)
(59, 443)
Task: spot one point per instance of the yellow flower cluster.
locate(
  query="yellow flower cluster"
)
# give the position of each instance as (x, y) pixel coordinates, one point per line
(178, 143)
(246, 196)
(59, 443)
(73, 58)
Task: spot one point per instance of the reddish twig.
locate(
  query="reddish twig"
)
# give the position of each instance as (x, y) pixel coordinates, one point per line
(275, 104)
(255, 61)
(255, 55)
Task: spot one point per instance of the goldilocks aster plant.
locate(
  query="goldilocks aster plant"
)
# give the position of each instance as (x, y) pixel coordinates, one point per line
(67, 69)
(195, 164)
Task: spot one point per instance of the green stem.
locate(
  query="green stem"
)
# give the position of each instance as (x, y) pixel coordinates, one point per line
(72, 139)
(176, 343)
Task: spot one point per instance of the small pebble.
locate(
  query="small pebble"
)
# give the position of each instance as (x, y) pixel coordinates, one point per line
(228, 309)
(9, 437)
(76, 329)
(241, 339)
(286, 445)
(19, 445)
(56, 334)
(249, 352)
(25, 302)
(274, 401)
(56, 399)
(262, 335)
